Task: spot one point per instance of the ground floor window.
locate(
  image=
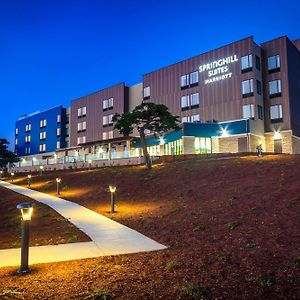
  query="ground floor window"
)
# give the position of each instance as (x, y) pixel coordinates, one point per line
(203, 145)
(154, 150)
(173, 148)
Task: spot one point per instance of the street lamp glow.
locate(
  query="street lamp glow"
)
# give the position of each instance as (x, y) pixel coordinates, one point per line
(29, 179)
(26, 211)
(58, 181)
(12, 174)
(112, 188)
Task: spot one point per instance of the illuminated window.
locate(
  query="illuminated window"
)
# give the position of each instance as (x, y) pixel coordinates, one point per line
(108, 104)
(275, 88)
(81, 126)
(58, 118)
(16, 142)
(81, 140)
(27, 139)
(185, 102)
(110, 134)
(184, 81)
(28, 127)
(43, 123)
(246, 63)
(247, 88)
(58, 145)
(195, 118)
(81, 112)
(58, 131)
(17, 131)
(42, 148)
(195, 100)
(194, 78)
(146, 92)
(27, 150)
(273, 63)
(248, 111)
(276, 113)
(186, 119)
(43, 135)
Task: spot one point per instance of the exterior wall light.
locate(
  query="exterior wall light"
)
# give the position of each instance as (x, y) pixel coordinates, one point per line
(29, 180)
(26, 211)
(224, 132)
(277, 135)
(161, 141)
(112, 190)
(58, 181)
(12, 174)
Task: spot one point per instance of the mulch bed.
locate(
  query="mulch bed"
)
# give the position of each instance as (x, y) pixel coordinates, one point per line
(232, 227)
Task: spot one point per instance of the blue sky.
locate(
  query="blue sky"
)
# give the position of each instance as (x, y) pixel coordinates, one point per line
(54, 51)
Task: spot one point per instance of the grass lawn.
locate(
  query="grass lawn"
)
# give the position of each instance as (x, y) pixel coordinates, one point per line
(232, 228)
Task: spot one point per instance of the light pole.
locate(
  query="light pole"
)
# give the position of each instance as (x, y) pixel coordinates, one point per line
(41, 170)
(112, 190)
(26, 211)
(58, 180)
(12, 174)
(29, 180)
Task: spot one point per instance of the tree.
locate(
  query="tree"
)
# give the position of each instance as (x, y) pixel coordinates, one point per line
(6, 156)
(146, 116)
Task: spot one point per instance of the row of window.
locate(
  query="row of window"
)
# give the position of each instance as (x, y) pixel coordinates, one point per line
(107, 104)
(42, 148)
(42, 136)
(43, 123)
(246, 63)
(192, 118)
(189, 80)
(274, 88)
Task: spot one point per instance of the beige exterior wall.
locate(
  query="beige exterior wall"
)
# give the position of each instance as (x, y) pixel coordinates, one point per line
(289, 145)
(228, 145)
(254, 141)
(188, 145)
(215, 145)
(296, 145)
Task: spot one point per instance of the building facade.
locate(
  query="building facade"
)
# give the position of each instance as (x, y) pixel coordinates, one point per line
(41, 132)
(237, 97)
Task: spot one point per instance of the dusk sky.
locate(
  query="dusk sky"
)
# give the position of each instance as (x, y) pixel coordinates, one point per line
(55, 51)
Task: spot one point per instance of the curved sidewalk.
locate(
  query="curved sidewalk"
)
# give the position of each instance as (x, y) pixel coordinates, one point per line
(108, 237)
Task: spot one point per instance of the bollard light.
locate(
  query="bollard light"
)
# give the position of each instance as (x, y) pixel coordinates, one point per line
(112, 190)
(58, 180)
(29, 179)
(41, 170)
(26, 211)
(1, 173)
(90, 163)
(12, 174)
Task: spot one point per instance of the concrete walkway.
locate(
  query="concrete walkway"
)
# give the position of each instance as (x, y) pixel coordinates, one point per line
(108, 237)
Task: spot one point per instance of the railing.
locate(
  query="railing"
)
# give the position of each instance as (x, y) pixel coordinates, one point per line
(78, 158)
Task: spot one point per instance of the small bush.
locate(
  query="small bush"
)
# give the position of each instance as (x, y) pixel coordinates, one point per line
(296, 262)
(170, 265)
(251, 245)
(196, 292)
(199, 228)
(232, 225)
(222, 257)
(261, 282)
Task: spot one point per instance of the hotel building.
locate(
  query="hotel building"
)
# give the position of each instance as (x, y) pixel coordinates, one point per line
(230, 99)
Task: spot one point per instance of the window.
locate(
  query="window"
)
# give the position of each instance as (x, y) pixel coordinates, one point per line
(43, 123)
(81, 140)
(257, 62)
(81, 112)
(110, 134)
(28, 127)
(274, 63)
(16, 142)
(246, 63)
(58, 131)
(111, 102)
(258, 87)
(27, 150)
(17, 131)
(195, 100)
(81, 126)
(58, 118)
(27, 139)
(146, 92)
(276, 113)
(43, 135)
(260, 112)
(58, 145)
(248, 111)
(108, 104)
(185, 119)
(247, 88)
(107, 135)
(275, 88)
(43, 148)
(185, 102)
(105, 120)
(194, 78)
(110, 121)
(195, 118)
(104, 135)
(184, 81)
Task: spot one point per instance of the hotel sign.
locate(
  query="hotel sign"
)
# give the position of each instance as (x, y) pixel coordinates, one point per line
(219, 69)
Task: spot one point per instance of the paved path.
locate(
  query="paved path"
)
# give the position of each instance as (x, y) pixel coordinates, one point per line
(108, 237)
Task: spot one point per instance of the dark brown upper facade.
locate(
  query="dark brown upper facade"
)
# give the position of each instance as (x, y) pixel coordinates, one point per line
(91, 114)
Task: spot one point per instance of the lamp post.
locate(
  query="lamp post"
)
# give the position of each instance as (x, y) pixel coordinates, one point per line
(12, 174)
(1, 173)
(90, 163)
(29, 180)
(26, 211)
(112, 190)
(41, 170)
(58, 180)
